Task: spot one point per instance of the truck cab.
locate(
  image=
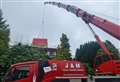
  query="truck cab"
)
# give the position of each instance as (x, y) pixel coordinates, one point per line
(46, 71)
(22, 72)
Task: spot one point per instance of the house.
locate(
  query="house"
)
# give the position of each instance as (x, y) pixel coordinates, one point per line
(41, 44)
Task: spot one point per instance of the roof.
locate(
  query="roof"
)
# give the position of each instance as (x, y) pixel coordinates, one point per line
(40, 42)
(25, 62)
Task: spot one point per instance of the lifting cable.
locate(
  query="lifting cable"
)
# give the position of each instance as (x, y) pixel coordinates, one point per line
(101, 44)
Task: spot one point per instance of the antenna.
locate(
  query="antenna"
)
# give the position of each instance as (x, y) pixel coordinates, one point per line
(42, 23)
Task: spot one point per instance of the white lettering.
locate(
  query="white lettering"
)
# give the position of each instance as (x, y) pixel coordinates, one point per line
(77, 65)
(54, 66)
(66, 66)
(72, 65)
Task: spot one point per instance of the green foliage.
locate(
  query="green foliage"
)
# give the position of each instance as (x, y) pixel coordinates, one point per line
(89, 69)
(19, 53)
(87, 52)
(64, 42)
(111, 48)
(63, 51)
(22, 52)
(4, 34)
(4, 45)
(99, 52)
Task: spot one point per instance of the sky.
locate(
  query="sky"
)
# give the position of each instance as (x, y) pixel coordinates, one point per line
(29, 19)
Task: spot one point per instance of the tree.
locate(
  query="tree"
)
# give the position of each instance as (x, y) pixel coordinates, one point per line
(63, 50)
(87, 52)
(4, 44)
(113, 50)
(4, 34)
(20, 52)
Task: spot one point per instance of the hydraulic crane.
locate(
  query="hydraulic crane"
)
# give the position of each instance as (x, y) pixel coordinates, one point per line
(107, 26)
(48, 71)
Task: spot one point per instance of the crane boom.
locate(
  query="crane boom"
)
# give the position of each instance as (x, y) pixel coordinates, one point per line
(107, 26)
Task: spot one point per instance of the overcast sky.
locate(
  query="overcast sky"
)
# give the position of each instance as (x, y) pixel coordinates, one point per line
(25, 20)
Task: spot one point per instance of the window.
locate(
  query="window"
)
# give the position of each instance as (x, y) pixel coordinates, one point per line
(20, 73)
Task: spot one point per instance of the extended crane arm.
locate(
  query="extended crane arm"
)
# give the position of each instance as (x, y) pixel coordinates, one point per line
(105, 25)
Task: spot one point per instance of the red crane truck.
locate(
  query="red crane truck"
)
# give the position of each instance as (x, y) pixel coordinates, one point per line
(48, 71)
(105, 64)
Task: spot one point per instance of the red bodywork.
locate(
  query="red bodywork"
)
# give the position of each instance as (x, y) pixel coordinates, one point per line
(32, 69)
(108, 68)
(54, 70)
(67, 69)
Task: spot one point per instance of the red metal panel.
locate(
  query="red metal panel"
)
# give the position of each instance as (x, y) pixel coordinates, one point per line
(65, 69)
(107, 26)
(39, 42)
